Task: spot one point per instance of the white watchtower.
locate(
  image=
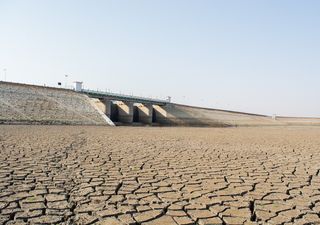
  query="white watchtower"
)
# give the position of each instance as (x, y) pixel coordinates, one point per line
(77, 85)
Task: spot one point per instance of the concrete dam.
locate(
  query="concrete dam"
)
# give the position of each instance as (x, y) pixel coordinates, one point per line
(31, 104)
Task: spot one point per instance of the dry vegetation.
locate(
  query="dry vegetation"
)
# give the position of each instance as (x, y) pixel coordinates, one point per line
(104, 175)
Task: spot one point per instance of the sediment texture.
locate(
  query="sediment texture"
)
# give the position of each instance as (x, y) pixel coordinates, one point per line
(103, 175)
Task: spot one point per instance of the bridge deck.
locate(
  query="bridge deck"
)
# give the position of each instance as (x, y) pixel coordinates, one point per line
(122, 97)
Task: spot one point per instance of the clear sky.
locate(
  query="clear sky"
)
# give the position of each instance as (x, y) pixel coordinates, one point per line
(255, 56)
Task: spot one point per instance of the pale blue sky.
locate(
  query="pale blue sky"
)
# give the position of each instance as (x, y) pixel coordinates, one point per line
(254, 56)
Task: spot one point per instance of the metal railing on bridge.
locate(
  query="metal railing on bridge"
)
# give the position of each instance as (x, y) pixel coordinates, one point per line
(124, 97)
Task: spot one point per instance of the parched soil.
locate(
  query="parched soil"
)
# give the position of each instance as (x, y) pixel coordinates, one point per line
(128, 175)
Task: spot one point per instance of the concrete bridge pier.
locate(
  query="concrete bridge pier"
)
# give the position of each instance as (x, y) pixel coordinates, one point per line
(128, 112)
(118, 111)
(143, 113)
(159, 115)
(124, 111)
(106, 105)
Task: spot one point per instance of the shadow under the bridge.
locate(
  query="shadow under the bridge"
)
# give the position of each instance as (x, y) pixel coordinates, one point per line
(114, 113)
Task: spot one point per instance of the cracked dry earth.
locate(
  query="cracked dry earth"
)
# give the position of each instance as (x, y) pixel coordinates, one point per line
(104, 175)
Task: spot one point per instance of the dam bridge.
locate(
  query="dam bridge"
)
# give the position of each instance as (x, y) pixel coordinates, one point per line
(127, 109)
(33, 104)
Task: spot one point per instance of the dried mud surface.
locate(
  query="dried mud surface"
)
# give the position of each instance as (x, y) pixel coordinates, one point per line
(104, 175)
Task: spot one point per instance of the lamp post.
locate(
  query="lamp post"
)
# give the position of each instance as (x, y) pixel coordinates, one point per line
(5, 74)
(66, 80)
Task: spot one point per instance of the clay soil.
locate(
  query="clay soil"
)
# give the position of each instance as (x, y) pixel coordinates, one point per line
(130, 175)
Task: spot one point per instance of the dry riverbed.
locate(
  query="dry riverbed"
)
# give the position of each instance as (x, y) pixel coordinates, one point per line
(128, 175)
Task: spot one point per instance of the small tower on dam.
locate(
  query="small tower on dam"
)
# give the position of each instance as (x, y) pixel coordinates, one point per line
(77, 85)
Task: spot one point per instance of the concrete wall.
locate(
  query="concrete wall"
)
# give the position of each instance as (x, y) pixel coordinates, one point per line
(181, 115)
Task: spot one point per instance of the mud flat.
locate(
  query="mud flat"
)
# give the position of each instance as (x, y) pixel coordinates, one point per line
(130, 175)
